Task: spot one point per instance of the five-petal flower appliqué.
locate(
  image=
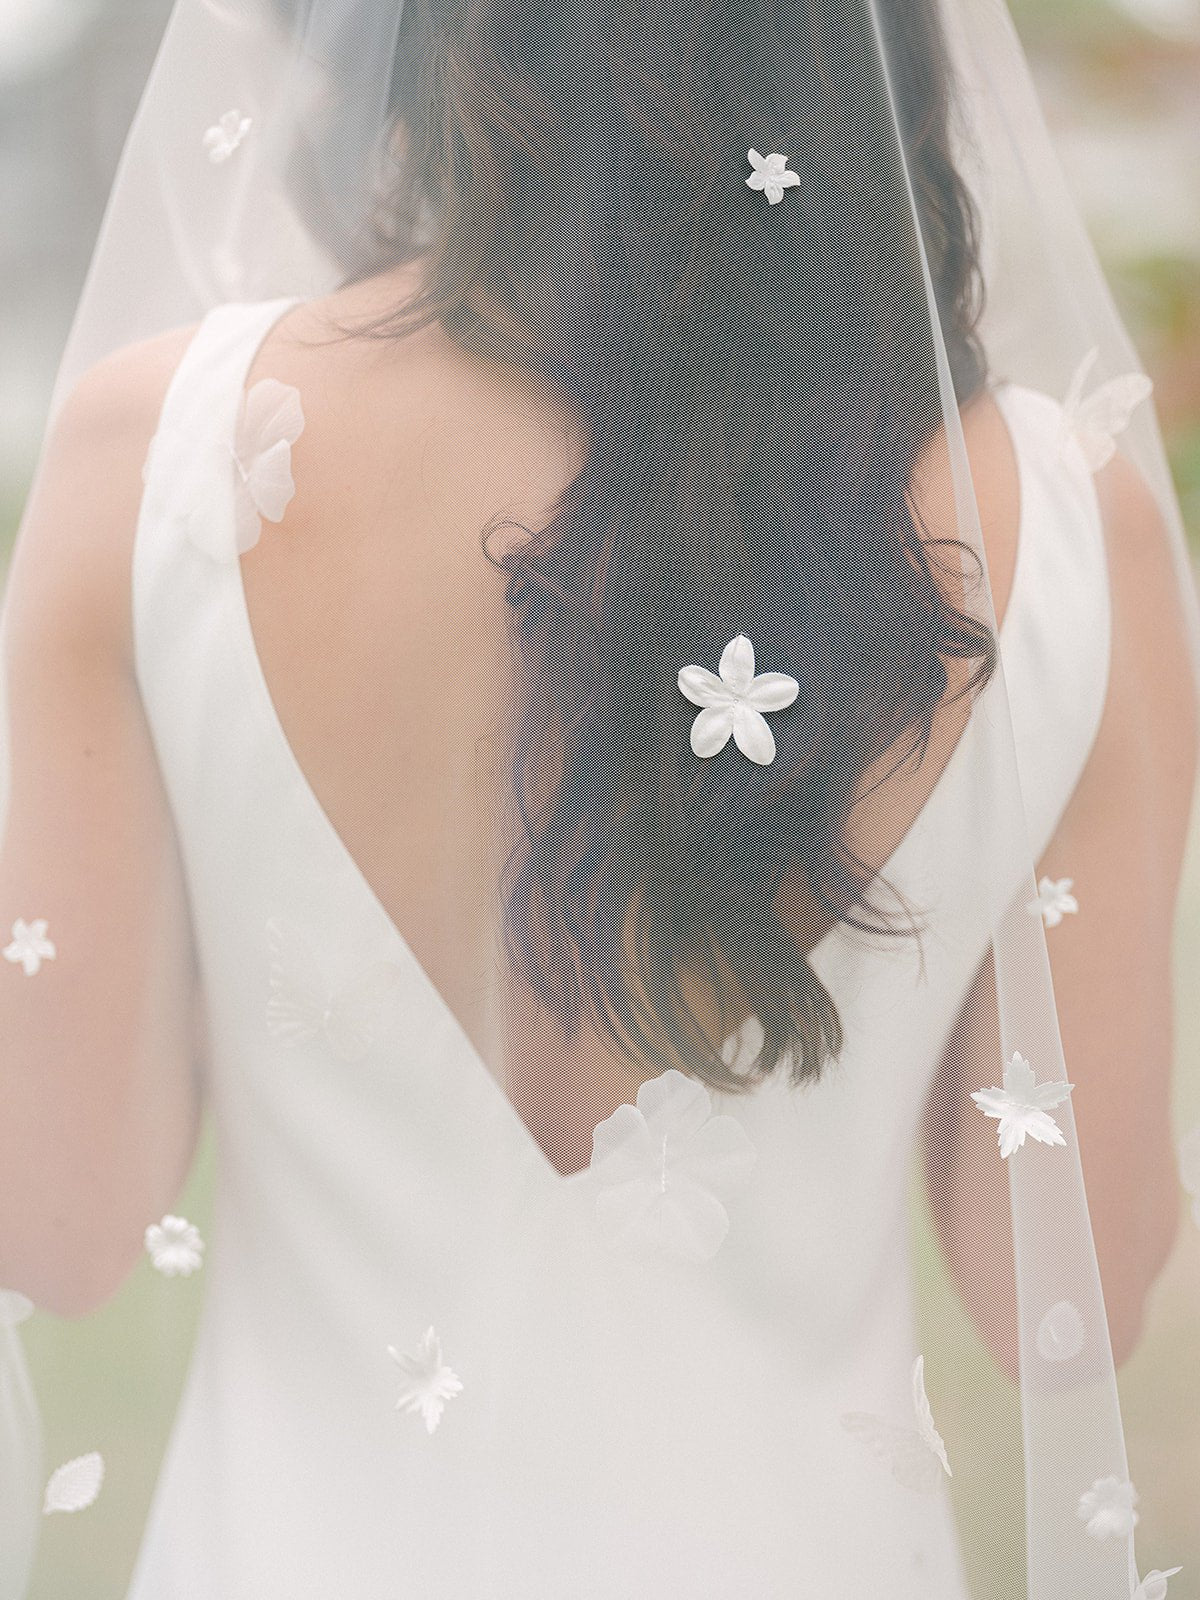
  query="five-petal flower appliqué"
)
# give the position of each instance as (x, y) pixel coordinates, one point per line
(1023, 1106)
(1108, 1508)
(1053, 901)
(664, 1169)
(175, 1246)
(30, 946)
(270, 420)
(226, 134)
(734, 702)
(771, 175)
(304, 1007)
(916, 1452)
(427, 1382)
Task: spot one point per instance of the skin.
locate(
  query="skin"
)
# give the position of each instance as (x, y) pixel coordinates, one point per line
(370, 582)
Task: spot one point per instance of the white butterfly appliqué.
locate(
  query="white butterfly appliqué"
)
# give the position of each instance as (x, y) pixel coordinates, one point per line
(916, 1455)
(270, 420)
(304, 1007)
(1093, 423)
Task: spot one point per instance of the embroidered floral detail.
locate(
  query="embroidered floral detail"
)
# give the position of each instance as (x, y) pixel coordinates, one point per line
(1054, 901)
(1023, 1106)
(1094, 423)
(1107, 1508)
(1060, 1333)
(303, 1007)
(30, 946)
(14, 1307)
(917, 1456)
(663, 1167)
(771, 175)
(175, 1246)
(269, 422)
(223, 138)
(1189, 1169)
(428, 1383)
(75, 1485)
(1154, 1585)
(734, 703)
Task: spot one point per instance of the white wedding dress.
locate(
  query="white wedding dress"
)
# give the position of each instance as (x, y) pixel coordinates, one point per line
(631, 1423)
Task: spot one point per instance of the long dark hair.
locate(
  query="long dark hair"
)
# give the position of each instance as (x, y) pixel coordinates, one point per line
(757, 382)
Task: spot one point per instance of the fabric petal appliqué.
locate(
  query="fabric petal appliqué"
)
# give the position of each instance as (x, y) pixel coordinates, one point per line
(270, 420)
(1108, 1508)
(916, 1455)
(734, 702)
(1060, 1333)
(1023, 1106)
(1154, 1585)
(427, 1383)
(1053, 901)
(1093, 423)
(223, 138)
(665, 1167)
(175, 1246)
(30, 946)
(75, 1485)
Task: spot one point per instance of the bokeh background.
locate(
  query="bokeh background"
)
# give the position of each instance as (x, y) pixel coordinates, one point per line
(1120, 84)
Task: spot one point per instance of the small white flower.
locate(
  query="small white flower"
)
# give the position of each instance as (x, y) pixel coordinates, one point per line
(1094, 423)
(428, 1383)
(1189, 1169)
(1154, 1585)
(74, 1485)
(771, 175)
(14, 1308)
(663, 1165)
(1053, 901)
(269, 422)
(30, 945)
(734, 703)
(917, 1456)
(1023, 1106)
(1060, 1333)
(1107, 1508)
(175, 1246)
(223, 138)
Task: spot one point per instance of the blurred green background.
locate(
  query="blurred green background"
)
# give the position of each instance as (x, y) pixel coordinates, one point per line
(1120, 83)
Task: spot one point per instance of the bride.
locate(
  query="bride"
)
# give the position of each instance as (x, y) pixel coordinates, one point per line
(599, 665)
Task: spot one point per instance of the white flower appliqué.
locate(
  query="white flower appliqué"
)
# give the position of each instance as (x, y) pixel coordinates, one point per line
(1095, 422)
(771, 175)
(175, 1246)
(428, 1383)
(1053, 901)
(30, 946)
(1189, 1169)
(1154, 1585)
(734, 703)
(270, 420)
(1060, 1333)
(304, 1007)
(1023, 1106)
(223, 138)
(917, 1456)
(663, 1166)
(15, 1307)
(75, 1485)
(1107, 1508)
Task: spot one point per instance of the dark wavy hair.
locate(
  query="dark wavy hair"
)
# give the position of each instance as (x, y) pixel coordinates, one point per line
(757, 383)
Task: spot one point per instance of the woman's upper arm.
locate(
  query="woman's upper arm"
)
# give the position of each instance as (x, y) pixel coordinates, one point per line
(97, 1046)
(1121, 840)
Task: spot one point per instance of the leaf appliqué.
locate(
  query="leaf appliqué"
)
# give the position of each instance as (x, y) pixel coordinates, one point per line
(75, 1485)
